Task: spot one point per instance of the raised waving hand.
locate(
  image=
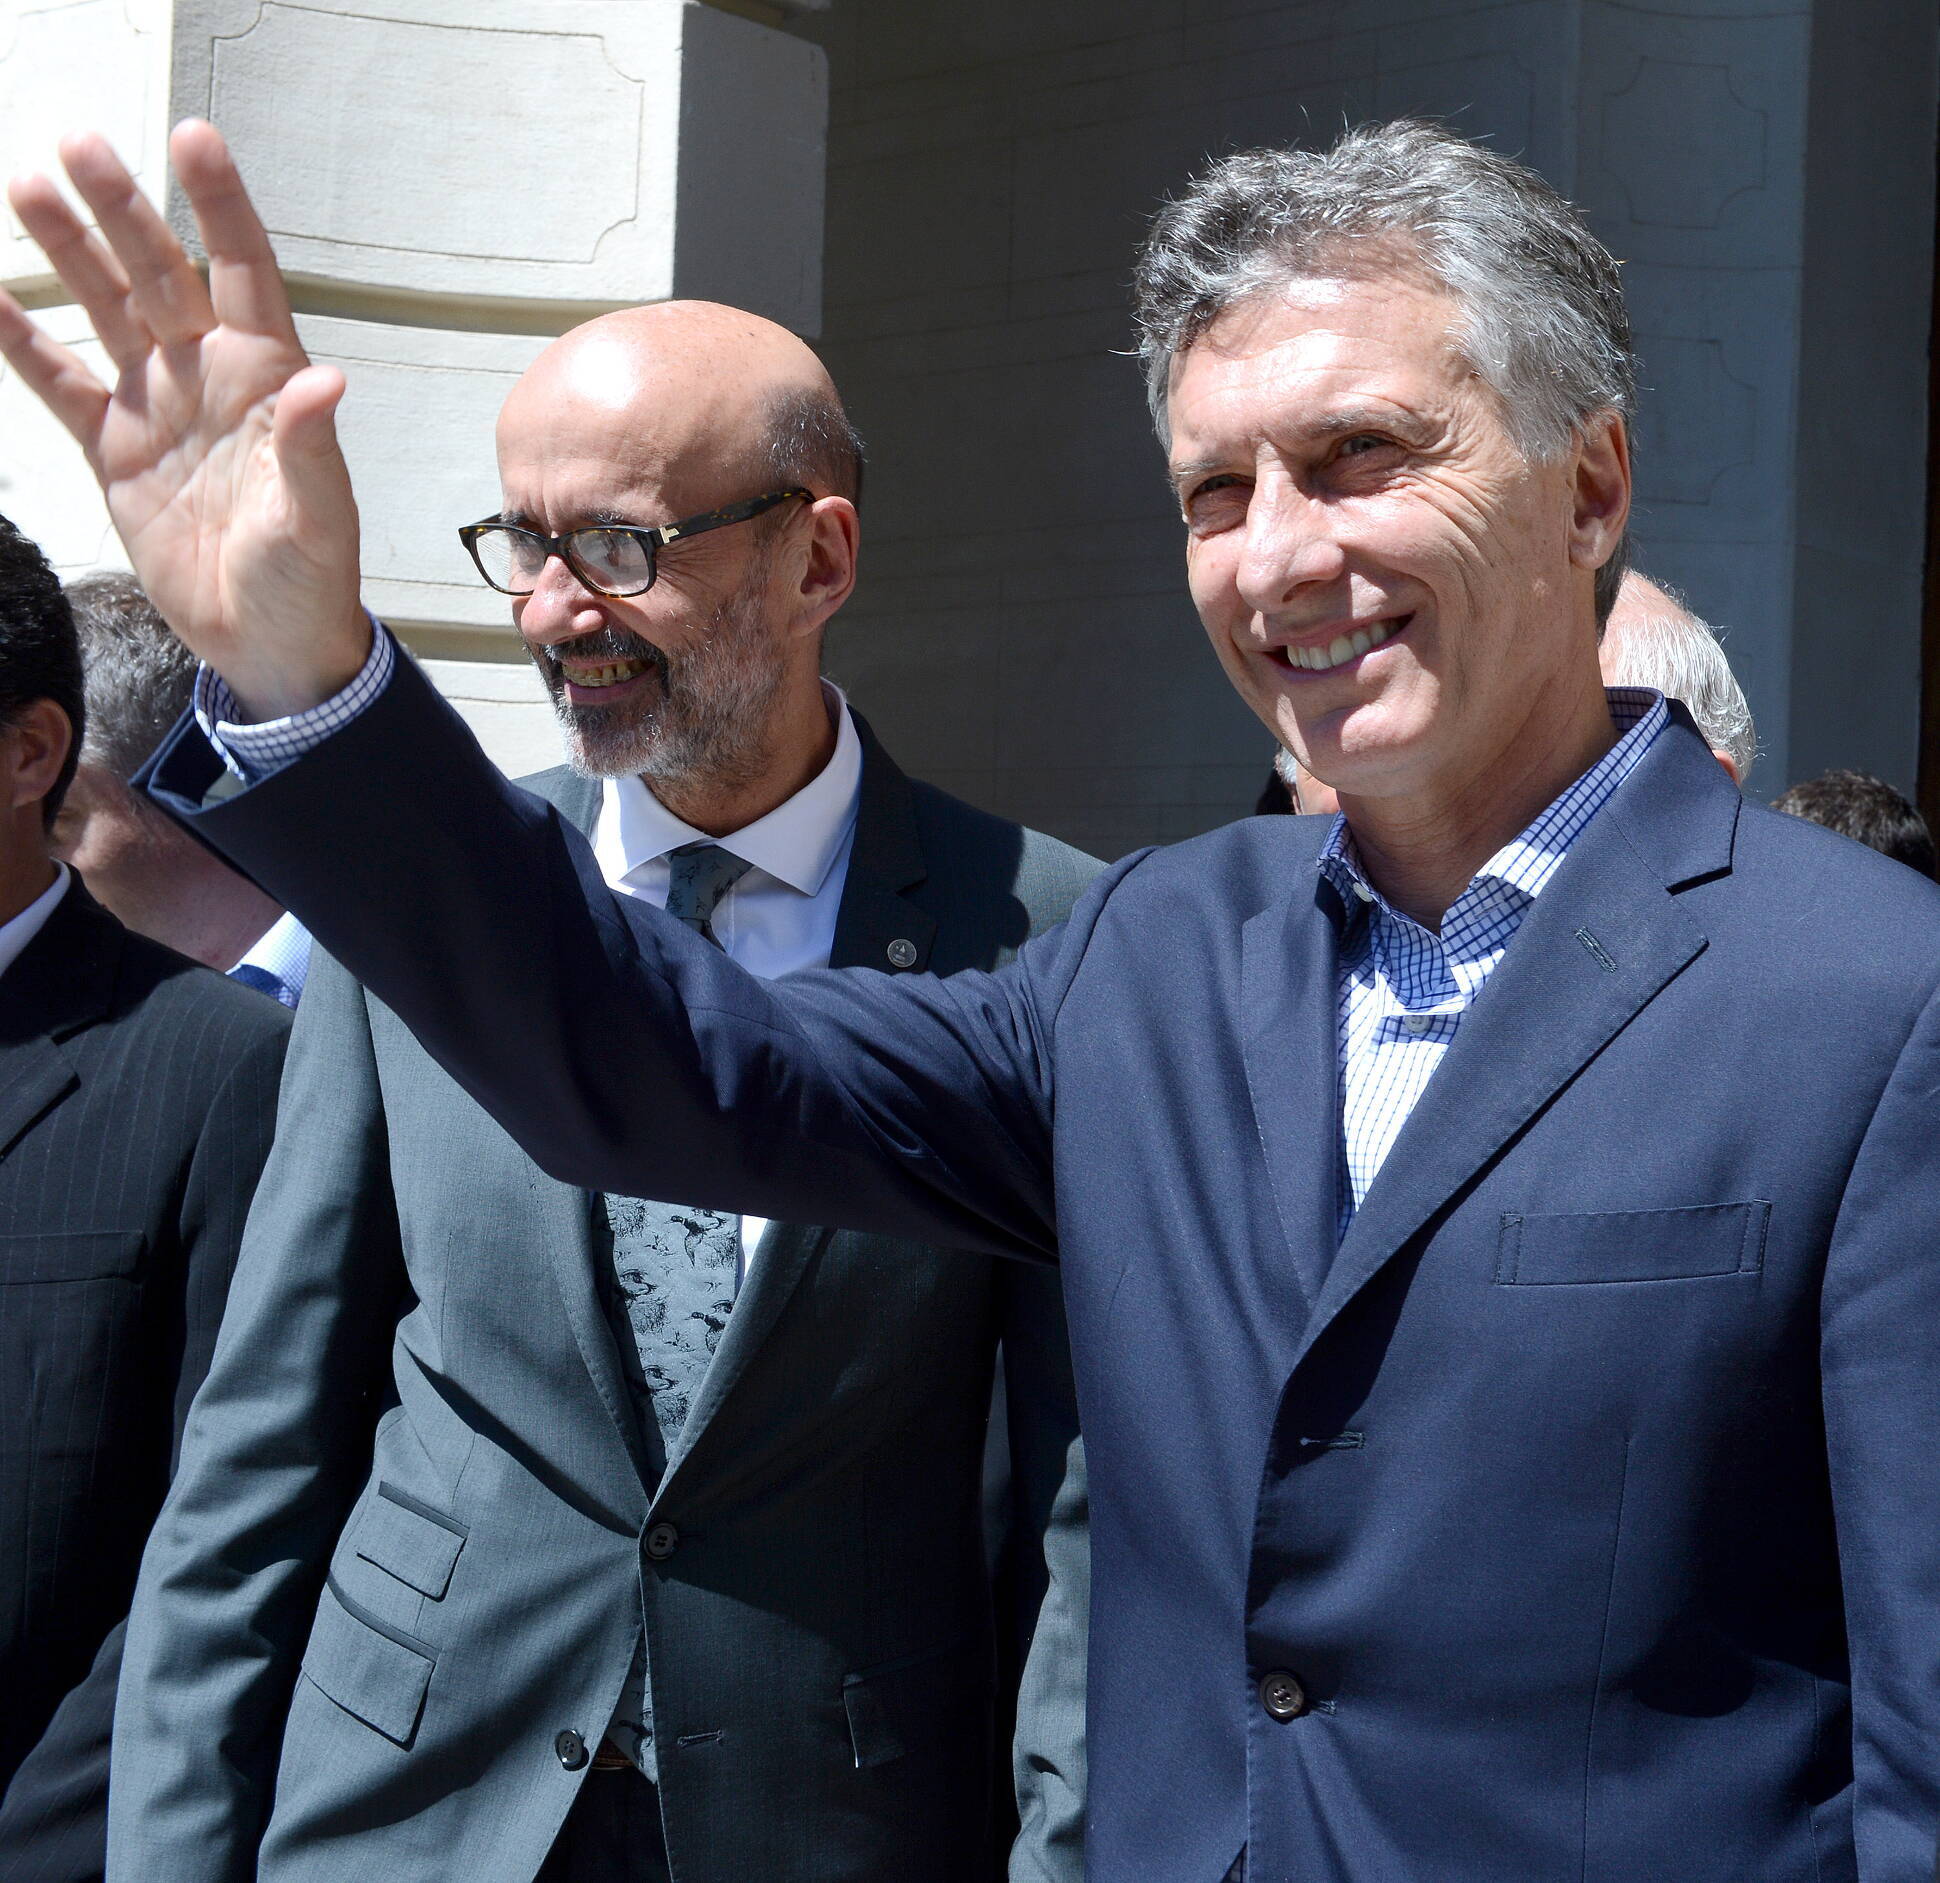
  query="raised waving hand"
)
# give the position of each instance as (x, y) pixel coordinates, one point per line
(216, 447)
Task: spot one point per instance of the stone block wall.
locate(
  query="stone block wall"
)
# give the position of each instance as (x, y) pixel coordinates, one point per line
(449, 183)
(1022, 634)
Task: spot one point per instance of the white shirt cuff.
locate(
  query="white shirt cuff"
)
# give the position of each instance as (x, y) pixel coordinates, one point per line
(253, 752)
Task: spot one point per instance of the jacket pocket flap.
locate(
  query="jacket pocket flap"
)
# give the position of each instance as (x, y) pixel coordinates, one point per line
(368, 1671)
(1633, 1245)
(71, 1255)
(408, 1540)
(915, 1701)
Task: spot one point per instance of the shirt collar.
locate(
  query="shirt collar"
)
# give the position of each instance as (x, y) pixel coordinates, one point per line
(797, 842)
(282, 950)
(22, 928)
(1528, 860)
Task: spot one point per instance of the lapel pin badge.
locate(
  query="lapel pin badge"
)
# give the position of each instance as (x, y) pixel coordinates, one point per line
(902, 953)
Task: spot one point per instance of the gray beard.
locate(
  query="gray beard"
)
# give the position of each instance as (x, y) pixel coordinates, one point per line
(710, 722)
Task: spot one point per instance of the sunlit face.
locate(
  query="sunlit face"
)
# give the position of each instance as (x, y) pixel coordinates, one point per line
(1386, 579)
(678, 681)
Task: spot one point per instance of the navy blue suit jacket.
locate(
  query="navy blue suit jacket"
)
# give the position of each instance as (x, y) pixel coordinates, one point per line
(1589, 1489)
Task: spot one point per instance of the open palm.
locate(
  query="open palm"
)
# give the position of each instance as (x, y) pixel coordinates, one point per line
(216, 447)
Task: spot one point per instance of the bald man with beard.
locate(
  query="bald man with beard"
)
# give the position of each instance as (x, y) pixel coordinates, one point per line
(525, 1532)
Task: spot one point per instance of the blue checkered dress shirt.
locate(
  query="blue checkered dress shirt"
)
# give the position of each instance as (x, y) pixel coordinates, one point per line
(1403, 990)
(253, 751)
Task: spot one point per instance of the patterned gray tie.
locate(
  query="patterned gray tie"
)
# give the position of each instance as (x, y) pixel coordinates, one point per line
(673, 1269)
(675, 1264)
(698, 876)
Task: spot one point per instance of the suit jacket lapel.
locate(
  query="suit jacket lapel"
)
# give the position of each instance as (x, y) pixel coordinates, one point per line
(563, 1215)
(62, 982)
(1603, 939)
(876, 926)
(1289, 991)
(773, 1275)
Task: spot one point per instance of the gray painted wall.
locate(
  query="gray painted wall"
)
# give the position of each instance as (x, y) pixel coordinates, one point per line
(1865, 312)
(1022, 633)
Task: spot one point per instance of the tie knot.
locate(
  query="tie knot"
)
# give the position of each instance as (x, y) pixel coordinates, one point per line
(698, 876)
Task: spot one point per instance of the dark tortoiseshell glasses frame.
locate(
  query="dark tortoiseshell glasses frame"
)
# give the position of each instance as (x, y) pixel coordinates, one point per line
(649, 539)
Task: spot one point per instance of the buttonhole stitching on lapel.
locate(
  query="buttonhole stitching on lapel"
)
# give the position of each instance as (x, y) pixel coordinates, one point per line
(1341, 1441)
(701, 1739)
(1597, 953)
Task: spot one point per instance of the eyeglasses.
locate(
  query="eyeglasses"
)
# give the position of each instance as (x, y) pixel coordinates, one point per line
(610, 558)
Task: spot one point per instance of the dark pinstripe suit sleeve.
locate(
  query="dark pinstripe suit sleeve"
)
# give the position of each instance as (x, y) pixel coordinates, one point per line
(228, 1164)
(53, 1827)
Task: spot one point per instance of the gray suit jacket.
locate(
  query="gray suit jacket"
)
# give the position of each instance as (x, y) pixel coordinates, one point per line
(400, 1573)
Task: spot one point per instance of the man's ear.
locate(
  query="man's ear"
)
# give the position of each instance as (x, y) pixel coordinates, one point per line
(828, 571)
(1600, 491)
(33, 753)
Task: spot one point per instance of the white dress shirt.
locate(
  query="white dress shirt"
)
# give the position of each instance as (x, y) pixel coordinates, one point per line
(780, 916)
(282, 952)
(15, 935)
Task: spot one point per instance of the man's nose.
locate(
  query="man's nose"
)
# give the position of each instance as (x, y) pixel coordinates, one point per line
(1290, 545)
(560, 606)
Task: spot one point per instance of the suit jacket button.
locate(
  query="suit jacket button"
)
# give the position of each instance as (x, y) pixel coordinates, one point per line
(902, 953)
(571, 1750)
(1283, 1697)
(662, 1540)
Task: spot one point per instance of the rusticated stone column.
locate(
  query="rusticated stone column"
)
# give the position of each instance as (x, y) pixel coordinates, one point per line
(449, 183)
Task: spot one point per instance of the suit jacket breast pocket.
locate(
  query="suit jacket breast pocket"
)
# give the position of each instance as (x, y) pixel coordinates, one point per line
(69, 1255)
(1632, 1245)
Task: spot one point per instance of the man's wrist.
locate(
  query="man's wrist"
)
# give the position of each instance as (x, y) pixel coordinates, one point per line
(252, 749)
(277, 694)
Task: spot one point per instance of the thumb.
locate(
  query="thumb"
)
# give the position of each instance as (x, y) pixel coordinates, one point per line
(303, 432)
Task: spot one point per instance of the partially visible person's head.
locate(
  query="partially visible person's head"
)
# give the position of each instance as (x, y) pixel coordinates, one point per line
(653, 416)
(1653, 640)
(42, 709)
(1294, 788)
(1867, 809)
(1395, 379)
(143, 868)
(139, 677)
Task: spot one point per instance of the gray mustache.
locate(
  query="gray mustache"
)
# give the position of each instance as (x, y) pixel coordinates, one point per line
(607, 644)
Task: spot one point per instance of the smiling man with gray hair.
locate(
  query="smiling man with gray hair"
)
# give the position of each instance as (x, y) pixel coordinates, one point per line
(1513, 1422)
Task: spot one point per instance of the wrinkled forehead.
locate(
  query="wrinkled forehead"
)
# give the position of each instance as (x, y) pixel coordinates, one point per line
(1308, 351)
